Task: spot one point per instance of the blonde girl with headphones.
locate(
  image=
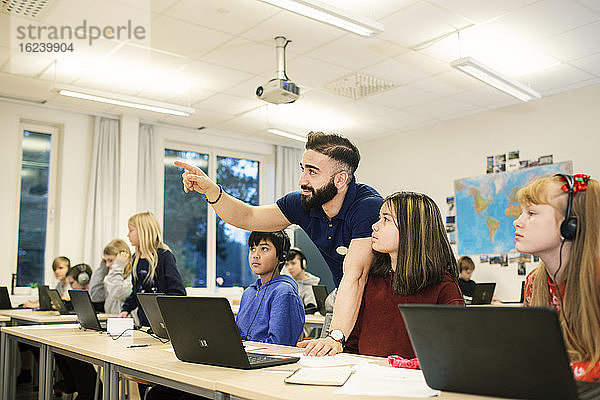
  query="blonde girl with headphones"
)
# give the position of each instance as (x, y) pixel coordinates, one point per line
(111, 281)
(560, 223)
(154, 269)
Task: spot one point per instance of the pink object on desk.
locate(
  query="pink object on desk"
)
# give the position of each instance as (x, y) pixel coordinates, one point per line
(399, 362)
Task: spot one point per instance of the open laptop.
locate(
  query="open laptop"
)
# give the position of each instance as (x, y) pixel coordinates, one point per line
(510, 352)
(150, 307)
(44, 299)
(58, 302)
(5, 303)
(320, 292)
(82, 303)
(203, 330)
(483, 293)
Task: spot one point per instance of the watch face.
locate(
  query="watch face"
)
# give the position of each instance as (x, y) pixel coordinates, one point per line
(336, 334)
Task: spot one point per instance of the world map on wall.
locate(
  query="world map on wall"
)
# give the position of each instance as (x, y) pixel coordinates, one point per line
(486, 207)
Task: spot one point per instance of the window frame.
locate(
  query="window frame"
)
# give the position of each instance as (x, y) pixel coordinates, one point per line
(52, 222)
(211, 237)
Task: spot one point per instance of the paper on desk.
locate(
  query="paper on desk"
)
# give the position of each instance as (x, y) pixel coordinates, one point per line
(376, 380)
(339, 359)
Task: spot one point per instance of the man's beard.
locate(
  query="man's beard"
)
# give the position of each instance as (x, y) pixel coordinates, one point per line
(319, 196)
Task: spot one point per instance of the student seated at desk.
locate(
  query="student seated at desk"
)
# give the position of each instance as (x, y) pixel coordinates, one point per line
(111, 281)
(413, 264)
(560, 224)
(466, 266)
(78, 376)
(295, 266)
(154, 266)
(270, 309)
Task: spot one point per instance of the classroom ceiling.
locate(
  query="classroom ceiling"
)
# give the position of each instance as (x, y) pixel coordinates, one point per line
(212, 54)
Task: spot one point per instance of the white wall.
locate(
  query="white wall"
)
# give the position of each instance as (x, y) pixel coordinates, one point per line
(430, 159)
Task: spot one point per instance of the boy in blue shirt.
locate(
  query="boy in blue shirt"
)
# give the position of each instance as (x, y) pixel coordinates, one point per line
(271, 310)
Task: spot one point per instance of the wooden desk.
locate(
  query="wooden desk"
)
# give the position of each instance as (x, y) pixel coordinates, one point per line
(3, 320)
(157, 363)
(26, 316)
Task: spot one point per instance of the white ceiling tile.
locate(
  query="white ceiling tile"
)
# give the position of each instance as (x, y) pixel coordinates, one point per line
(484, 96)
(592, 4)
(231, 16)
(361, 131)
(364, 112)
(28, 64)
(408, 67)
(402, 97)
(213, 77)
(447, 83)
(210, 117)
(70, 66)
(554, 78)
(544, 18)
(354, 52)
(304, 33)
(308, 72)
(249, 126)
(399, 120)
(244, 55)
(573, 44)
(148, 58)
(5, 31)
(480, 11)
(4, 54)
(159, 6)
(183, 38)
(576, 85)
(323, 99)
(590, 64)
(419, 23)
(187, 97)
(229, 104)
(376, 9)
(442, 108)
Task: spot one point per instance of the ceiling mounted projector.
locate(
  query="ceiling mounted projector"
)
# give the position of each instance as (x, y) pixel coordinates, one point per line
(279, 90)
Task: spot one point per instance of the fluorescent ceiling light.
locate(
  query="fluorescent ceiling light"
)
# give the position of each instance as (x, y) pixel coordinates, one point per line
(493, 78)
(287, 134)
(127, 101)
(322, 12)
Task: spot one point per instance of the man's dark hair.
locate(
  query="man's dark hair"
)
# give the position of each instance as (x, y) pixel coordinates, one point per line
(336, 147)
(280, 240)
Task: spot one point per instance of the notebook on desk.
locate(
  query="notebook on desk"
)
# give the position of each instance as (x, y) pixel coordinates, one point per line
(483, 293)
(58, 303)
(508, 352)
(211, 336)
(82, 303)
(150, 307)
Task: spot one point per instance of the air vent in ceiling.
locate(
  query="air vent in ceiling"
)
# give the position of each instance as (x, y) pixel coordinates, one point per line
(357, 86)
(25, 8)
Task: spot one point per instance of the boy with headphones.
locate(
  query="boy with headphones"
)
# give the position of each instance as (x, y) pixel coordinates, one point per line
(79, 276)
(271, 310)
(295, 266)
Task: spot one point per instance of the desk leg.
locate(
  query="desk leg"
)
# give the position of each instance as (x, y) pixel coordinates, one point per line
(222, 396)
(46, 370)
(110, 378)
(9, 363)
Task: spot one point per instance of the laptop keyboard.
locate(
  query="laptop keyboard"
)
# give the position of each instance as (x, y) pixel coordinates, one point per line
(254, 358)
(588, 390)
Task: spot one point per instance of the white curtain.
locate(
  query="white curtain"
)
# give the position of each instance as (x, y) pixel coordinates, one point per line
(149, 164)
(103, 199)
(287, 170)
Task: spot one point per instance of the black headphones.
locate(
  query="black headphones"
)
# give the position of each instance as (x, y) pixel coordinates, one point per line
(83, 278)
(568, 228)
(284, 245)
(294, 251)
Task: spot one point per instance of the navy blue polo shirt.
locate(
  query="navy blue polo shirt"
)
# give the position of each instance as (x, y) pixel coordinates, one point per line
(359, 212)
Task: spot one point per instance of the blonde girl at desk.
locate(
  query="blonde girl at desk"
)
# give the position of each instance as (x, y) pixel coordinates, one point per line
(560, 223)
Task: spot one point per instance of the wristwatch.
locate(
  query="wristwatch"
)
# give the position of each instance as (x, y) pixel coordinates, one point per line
(338, 336)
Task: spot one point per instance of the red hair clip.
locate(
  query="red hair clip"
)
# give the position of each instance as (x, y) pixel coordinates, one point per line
(579, 183)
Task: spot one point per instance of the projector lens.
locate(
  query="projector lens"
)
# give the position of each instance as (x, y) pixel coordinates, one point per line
(259, 91)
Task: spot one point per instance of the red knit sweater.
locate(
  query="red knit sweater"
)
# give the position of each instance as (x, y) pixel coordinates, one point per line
(379, 329)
